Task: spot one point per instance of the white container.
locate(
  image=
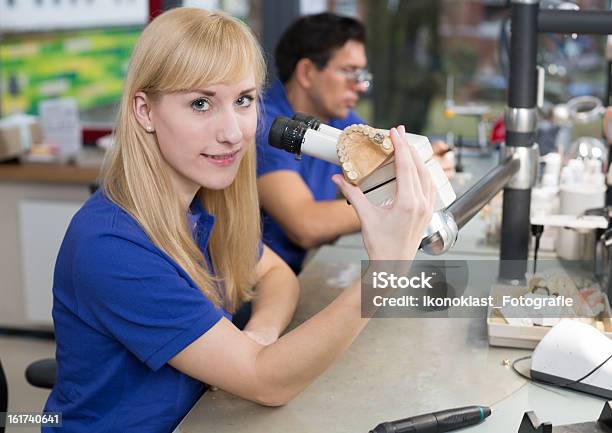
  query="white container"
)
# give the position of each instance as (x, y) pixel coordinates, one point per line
(574, 200)
(545, 201)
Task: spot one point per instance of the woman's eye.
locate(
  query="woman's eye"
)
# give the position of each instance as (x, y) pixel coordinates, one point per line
(200, 105)
(244, 101)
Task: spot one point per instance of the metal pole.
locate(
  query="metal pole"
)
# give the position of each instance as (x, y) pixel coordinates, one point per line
(444, 226)
(521, 122)
(593, 22)
(521, 117)
(608, 103)
(468, 205)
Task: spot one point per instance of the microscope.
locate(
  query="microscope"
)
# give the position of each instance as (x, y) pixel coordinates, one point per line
(305, 134)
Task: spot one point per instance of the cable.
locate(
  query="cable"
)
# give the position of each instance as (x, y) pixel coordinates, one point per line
(590, 373)
(537, 231)
(516, 361)
(562, 385)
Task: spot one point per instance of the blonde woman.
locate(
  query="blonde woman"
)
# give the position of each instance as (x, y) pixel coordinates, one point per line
(154, 264)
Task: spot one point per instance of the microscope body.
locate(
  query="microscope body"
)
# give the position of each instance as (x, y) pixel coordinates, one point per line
(306, 134)
(320, 141)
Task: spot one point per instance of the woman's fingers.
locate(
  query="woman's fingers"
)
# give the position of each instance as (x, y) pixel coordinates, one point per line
(405, 170)
(414, 180)
(416, 189)
(432, 194)
(439, 148)
(424, 180)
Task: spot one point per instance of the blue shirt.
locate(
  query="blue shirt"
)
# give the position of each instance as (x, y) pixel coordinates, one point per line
(315, 173)
(122, 308)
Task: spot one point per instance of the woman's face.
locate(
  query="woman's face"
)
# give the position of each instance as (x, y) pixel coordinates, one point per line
(204, 133)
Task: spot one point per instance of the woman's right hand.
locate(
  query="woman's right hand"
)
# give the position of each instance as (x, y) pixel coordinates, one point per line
(395, 232)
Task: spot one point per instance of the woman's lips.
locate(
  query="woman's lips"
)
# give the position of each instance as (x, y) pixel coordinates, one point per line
(221, 160)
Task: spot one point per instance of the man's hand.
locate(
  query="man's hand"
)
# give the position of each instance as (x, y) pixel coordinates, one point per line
(445, 157)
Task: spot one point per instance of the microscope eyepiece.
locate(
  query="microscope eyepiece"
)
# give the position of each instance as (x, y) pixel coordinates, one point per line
(287, 134)
(310, 121)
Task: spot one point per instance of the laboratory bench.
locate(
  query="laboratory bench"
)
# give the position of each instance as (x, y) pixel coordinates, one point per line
(399, 367)
(394, 369)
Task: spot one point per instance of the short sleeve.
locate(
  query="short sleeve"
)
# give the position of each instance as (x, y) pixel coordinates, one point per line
(132, 291)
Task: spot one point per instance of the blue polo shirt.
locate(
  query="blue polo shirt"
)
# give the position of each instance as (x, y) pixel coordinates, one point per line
(316, 173)
(122, 308)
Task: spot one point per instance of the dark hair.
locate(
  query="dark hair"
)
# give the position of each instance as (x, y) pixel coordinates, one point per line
(315, 37)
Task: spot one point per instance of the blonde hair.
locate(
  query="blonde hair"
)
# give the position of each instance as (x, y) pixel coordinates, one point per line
(185, 49)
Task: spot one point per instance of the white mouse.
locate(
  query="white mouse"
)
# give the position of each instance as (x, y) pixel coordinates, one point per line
(569, 352)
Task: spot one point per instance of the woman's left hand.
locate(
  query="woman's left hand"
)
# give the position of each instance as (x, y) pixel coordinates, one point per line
(445, 157)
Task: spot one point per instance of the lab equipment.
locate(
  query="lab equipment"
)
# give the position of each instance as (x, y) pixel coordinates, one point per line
(436, 422)
(521, 112)
(531, 424)
(582, 188)
(577, 356)
(310, 137)
(299, 137)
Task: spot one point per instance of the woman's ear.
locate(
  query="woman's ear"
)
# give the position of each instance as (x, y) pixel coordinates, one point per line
(142, 110)
(304, 73)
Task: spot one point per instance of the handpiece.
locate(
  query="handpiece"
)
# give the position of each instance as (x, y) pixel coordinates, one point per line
(436, 422)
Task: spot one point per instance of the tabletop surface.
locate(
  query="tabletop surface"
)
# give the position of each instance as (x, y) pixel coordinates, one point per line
(397, 368)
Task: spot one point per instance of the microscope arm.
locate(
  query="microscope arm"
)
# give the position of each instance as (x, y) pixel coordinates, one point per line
(444, 227)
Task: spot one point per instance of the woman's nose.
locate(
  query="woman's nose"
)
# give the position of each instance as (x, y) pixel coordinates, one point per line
(229, 128)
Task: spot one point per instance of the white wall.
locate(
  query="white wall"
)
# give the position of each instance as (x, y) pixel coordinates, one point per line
(42, 15)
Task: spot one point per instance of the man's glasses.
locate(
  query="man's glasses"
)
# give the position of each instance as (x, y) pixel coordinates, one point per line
(361, 77)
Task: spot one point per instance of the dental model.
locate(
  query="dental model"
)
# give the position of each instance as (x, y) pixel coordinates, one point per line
(362, 149)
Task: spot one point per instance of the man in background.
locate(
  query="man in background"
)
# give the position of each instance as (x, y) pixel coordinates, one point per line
(322, 69)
